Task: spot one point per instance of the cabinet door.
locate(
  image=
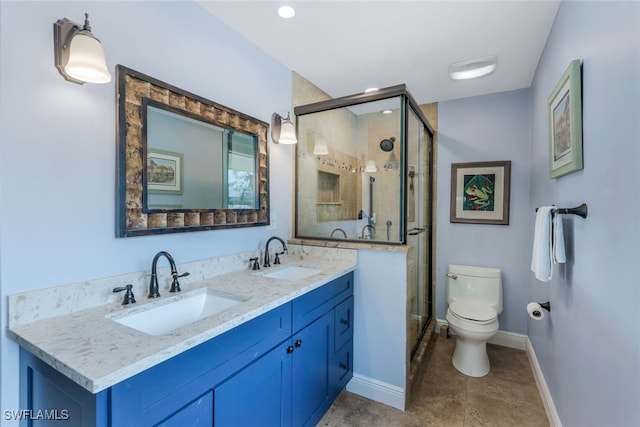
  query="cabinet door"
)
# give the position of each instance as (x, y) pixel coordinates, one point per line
(313, 347)
(198, 413)
(259, 395)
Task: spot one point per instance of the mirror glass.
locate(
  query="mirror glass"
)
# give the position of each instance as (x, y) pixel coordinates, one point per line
(192, 164)
(185, 163)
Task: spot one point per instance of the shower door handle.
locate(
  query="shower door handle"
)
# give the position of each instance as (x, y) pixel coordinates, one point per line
(416, 230)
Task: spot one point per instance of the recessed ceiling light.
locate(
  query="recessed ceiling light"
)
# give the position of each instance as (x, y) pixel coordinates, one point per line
(387, 112)
(286, 12)
(472, 68)
(371, 89)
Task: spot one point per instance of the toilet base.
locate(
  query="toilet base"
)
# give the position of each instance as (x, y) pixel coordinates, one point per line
(470, 357)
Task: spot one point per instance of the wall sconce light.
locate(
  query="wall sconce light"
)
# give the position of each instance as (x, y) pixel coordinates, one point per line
(320, 147)
(282, 130)
(371, 166)
(79, 56)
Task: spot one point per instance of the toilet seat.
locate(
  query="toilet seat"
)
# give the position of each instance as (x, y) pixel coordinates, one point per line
(474, 311)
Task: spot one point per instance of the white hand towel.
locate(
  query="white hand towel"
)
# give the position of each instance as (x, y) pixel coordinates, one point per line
(541, 259)
(558, 240)
(548, 243)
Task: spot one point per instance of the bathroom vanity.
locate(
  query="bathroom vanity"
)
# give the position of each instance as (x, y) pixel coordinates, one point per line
(278, 357)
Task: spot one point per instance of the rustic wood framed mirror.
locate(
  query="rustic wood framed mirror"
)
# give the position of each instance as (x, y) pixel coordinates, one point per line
(185, 163)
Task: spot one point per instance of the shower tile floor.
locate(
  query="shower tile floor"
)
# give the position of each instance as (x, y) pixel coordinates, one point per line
(443, 397)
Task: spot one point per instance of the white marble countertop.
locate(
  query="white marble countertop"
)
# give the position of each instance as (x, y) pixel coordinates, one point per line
(97, 352)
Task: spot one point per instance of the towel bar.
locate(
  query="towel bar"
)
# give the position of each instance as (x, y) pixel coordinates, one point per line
(578, 210)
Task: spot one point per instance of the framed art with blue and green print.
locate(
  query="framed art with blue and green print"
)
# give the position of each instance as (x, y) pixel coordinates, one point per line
(480, 192)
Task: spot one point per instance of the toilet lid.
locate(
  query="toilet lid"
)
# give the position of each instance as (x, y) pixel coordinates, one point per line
(473, 310)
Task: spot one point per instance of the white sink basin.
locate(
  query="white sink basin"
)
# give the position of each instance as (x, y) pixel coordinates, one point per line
(292, 272)
(177, 313)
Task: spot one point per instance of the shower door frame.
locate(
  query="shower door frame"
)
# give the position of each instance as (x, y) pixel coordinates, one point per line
(407, 101)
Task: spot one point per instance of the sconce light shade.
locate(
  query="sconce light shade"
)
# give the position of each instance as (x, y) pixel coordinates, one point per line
(320, 147)
(371, 166)
(79, 56)
(282, 130)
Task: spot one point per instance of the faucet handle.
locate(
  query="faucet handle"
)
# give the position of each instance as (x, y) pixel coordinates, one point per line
(255, 264)
(175, 285)
(129, 298)
(277, 257)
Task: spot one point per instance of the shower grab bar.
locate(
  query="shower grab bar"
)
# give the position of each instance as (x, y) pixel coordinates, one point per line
(578, 210)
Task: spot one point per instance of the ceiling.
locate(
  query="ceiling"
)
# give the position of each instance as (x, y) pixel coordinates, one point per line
(344, 47)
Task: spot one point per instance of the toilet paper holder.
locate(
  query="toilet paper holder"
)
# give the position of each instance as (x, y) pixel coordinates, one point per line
(546, 306)
(535, 309)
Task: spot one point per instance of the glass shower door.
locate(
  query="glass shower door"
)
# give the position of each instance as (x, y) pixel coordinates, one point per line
(418, 227)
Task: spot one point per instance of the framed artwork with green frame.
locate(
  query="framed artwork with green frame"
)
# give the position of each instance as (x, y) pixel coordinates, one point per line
(565, 123)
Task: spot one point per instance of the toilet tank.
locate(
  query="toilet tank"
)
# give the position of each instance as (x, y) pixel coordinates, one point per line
(476, 283)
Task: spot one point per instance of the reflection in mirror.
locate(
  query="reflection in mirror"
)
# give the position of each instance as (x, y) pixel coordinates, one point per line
(185, 163)
(192, 164)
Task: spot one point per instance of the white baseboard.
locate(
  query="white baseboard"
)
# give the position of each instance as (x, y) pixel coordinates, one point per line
(547, 401)
(502, 338)
(377, 390)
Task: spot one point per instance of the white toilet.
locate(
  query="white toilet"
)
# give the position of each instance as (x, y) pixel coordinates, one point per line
(474, 295)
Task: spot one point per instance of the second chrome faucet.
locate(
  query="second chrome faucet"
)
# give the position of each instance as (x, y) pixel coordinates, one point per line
(154, 290)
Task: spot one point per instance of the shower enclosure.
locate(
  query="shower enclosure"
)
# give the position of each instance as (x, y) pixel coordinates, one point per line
(364, 174)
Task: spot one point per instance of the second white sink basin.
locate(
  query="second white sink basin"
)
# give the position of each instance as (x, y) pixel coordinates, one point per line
(175, 314)
(292, 272)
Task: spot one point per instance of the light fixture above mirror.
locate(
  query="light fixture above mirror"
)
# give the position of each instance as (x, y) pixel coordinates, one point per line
(78, 54)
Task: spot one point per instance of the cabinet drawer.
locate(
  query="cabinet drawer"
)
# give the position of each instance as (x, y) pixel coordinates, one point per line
(314, 304)
(341, 368)
(343, 319)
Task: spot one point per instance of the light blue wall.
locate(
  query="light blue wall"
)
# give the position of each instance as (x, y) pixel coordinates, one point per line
(57, 142)
(588, 347)
(487, 128)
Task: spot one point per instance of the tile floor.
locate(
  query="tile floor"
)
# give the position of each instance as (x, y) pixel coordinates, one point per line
(443, 397)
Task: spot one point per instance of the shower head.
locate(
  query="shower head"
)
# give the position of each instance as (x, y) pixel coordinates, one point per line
(387, 144)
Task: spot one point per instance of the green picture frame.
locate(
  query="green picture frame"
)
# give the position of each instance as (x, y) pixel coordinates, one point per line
(565, 123)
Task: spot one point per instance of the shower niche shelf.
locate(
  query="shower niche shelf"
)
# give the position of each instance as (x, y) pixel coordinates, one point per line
(328, 188)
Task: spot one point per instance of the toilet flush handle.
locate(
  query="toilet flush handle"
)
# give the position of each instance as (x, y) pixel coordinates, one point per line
(452, 276)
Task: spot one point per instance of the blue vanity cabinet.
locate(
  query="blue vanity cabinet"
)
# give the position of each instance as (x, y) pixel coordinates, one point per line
(283, 368)
(287, 387)
(322, 363)
(257, 395)
(296, 383)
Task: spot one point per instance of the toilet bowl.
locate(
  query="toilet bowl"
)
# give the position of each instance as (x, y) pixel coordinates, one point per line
(474, 295)
(470, 356)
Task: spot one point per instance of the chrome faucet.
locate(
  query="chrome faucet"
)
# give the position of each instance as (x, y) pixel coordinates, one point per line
(340, 230)
(267, 260)
(372, 231)
(154, 291)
